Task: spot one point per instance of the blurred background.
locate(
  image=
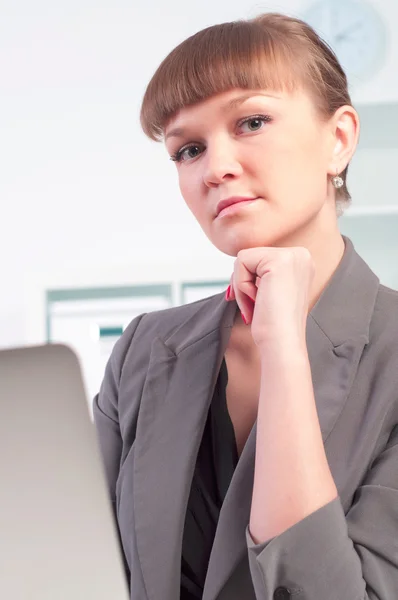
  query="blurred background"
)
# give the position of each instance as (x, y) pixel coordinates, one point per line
(93, 229)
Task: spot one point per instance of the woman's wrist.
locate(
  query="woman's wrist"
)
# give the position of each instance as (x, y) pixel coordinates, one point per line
(286, 349)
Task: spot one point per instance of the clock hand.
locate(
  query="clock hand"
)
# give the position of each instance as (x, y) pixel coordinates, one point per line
(344, 34)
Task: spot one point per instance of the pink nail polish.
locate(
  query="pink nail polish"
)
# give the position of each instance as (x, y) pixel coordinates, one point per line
(228, 293)
(244, 319)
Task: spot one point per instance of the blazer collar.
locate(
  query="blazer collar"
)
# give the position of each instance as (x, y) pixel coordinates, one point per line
(181, 376)
(344, 309)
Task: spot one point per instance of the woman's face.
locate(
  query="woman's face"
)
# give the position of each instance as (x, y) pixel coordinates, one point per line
(272, 150)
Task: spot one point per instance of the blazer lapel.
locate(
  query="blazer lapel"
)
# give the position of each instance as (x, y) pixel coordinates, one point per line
(178, 389)
(337, 331)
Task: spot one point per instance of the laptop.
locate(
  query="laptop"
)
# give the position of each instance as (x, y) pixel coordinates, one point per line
(58, 539)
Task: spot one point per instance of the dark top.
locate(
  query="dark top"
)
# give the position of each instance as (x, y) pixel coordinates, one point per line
(216, 462)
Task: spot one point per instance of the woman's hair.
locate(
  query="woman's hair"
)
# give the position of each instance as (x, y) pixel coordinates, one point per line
(271, 51)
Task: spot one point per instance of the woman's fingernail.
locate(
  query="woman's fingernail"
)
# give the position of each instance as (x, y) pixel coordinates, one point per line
(244, 319)
(228, 292)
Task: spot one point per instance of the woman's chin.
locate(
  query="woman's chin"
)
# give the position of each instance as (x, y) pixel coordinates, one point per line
(256, 233)
(233, 244)
(231, 235)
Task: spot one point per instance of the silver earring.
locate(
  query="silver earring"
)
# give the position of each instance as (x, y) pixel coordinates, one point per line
(337, 181)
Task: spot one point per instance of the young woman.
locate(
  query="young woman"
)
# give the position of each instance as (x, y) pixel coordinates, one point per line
(251, 441)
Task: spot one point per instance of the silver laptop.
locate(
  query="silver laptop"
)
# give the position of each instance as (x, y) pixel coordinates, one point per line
(58, 540)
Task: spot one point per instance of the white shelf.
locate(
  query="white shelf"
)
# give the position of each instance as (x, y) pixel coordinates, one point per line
(363, 211)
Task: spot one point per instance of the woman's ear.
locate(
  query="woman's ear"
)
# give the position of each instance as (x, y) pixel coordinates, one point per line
(345, 131)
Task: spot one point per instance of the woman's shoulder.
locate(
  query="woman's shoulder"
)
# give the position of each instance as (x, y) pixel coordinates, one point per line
(386, 308)
(187, 318)
(383, 333)
(164, 322)
(388, 296)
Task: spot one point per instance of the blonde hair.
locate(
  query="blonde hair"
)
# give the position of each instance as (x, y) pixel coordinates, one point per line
(271, 51)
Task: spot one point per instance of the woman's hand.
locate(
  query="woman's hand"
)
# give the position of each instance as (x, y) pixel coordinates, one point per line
(272, 289)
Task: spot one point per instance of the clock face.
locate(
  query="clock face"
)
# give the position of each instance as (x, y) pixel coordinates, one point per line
(355, 31)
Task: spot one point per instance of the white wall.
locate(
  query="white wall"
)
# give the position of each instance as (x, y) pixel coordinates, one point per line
(85, 197)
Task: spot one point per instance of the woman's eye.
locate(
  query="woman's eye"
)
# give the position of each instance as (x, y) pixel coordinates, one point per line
(186, 153)
(191, 152)
(254, 123)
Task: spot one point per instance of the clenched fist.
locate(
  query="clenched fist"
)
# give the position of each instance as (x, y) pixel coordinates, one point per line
(272, 289)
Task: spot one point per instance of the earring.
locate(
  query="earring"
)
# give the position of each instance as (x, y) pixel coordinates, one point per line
(337, 181)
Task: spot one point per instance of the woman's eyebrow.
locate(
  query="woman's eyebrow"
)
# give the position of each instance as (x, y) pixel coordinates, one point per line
(240, 99)
(177, 132)
(180, 132)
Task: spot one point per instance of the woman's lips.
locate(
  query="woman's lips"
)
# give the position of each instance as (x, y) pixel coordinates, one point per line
(233, 205)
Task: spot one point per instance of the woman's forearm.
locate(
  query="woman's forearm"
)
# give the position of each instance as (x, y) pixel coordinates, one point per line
(292, 477)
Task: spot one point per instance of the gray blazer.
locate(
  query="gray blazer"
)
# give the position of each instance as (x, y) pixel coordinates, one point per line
(150, 416)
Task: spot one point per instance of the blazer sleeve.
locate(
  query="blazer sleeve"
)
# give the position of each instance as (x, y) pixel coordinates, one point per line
(105, 408)
(333, 555)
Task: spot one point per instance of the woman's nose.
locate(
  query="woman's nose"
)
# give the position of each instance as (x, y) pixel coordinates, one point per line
(221, 163)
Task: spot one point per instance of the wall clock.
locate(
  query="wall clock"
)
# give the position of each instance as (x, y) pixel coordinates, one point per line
(355, 30)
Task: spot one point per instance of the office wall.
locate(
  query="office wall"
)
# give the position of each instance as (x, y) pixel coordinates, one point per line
(85, 197)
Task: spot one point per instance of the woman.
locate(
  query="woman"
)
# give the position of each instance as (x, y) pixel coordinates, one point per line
(251, 442)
